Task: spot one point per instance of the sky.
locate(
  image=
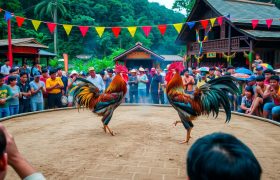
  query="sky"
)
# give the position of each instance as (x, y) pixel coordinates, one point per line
(166, 3)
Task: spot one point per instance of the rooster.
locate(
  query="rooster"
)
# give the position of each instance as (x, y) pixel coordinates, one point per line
(205, 99)
(88, 95)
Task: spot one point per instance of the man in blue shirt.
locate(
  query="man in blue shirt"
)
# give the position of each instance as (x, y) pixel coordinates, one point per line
(156, 87)
(5, 69)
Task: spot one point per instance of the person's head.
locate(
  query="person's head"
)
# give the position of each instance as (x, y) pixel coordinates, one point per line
(2, 80)
(268, 73)
(194, 70)
(153, 71)
(211, 71)
(141, 70)
(3, 155)
(221, 156)
(7, 62)
(74, 74)
(259, 70)
(133, 72)
(24, 64)
(45, 73)
(53, 74)
(23, 77)
(37, 76)
(258, 56)
(35, 64)
(110, 72)
(59, 71)
(260, 80)
(203, 75)
(230, 69)
(91, 72)
(186, 73)
(251, 80)
(274, 81)
(218, 72)
(12, 80)
(249, 91)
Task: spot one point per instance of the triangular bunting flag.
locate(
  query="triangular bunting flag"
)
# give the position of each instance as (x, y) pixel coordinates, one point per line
(20, 21)
(147, 30)
(100, 30)
(84, 30)
(220, 20)
(162, 29)
(212, 20)
(191, 24)
(132, 30)
(116, 31)
(204, 23)
(67, 28)
(36, 24)
(269, 23)
(51, 26)
(7, 15)
(178, 27)
(255, 23)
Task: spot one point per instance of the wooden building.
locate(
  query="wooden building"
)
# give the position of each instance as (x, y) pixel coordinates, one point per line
(25, 49)
(235, 36)
(140, 56)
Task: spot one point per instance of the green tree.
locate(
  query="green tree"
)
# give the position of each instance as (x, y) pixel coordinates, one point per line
(184, 5)
(51, 8)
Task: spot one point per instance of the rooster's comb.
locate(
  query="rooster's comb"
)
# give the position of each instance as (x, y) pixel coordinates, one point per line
(177, 66)
(120, 68)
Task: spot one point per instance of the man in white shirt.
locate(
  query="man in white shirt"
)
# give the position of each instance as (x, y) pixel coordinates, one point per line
(5, 69)
(96, 79)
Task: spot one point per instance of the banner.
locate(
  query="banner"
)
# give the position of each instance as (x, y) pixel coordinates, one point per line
(36, 24)
(19, 20)
(212, 21)
(132, 30)
(84, 30)
(116, 31)
(67, 28)
(178, 27)
(147, 30)
(51, 27)
(100, 30)
(162, 28)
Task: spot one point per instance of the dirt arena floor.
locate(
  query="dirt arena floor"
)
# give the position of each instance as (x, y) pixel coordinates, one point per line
(72, 145)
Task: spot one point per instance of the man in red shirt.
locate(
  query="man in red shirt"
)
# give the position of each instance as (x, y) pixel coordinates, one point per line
(267, 74)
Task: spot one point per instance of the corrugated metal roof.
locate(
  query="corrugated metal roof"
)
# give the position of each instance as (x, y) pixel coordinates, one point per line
(263, 34)
(45, 53)
(172, 58)
(26, 42)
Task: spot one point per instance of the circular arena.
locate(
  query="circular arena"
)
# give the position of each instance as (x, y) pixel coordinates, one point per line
(68, 144)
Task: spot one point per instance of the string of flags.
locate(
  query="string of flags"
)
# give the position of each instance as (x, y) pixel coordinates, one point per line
(131, 29)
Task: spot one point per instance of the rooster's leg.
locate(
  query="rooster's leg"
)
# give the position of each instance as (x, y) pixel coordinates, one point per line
(176, 122)
(110, 131)
(188, 136)
(104, 128)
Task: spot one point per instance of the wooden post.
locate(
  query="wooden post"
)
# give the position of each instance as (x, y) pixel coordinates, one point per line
(229, 42)
(10, 50)
(251, 51)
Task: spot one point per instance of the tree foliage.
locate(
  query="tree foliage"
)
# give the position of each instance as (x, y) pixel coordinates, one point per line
(107, 13)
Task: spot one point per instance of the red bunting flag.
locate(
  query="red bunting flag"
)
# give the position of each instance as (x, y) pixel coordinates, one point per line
(84, 30)
(269, 23)
(255, 23)
(162, 28)
(204, 23)
(20, 21)
(116, 31)
(51, 26)
(220, 20)
(147, 30)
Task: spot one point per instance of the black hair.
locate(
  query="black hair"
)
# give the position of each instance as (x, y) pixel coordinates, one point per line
(274, 78)
(220, 156)
(7, 60)
(12, 70)
(3, 143)
(193, 67)
(250, 88)
(268, 71)
(44, 70)
(2, 76)
(11, 78)
(23, 73)
(260, 78)
(52, 71)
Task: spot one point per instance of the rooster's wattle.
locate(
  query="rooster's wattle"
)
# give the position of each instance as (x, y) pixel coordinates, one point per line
(205, 99)
(88, 95)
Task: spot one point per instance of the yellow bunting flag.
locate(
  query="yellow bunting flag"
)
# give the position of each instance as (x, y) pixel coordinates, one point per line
(212, 20)
(67, 28)
(132, 30)
(100, 30)
(178, 27)
(36, 24)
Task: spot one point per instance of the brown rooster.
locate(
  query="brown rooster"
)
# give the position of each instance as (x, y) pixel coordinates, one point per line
(205, 99)
(88, 95)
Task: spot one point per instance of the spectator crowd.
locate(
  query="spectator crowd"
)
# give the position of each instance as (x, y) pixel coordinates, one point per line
(27, 89)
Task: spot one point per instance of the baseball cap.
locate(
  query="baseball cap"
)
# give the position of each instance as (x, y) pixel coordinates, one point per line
(259, 68)
(251, 78)
(37, 74)
(91, 69)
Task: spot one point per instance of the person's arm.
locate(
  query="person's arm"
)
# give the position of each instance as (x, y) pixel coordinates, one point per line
(15, 159)
(43, 87)
(33, 91)
(267, 92)
(242, 106)
(48, 85)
